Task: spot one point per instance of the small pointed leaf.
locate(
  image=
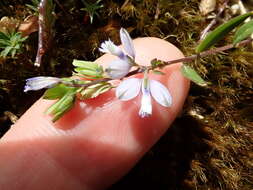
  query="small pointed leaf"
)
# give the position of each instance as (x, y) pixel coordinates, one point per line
(156, 63)
(243, 32)
(191, 74)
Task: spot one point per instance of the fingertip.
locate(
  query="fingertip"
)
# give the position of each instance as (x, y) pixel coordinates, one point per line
(105, 125)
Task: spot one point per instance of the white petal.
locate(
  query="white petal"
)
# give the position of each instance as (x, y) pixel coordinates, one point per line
(128, 89)
(160, 93)
(146, 105)
(118, 69)
(127, 42)
(109, 47)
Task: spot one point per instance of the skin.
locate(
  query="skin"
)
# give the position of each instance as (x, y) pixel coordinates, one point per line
(98, 141)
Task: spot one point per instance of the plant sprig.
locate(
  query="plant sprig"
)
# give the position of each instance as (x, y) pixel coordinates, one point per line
(94, 79)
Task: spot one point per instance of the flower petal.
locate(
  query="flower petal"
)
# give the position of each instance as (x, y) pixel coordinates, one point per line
(160, 93)
(109, 47)
(118, 69)
(127, 42)
(128, 89)
(146, 105)
(37, 83)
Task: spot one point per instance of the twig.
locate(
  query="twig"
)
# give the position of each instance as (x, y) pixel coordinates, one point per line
(185, 59)
(209, 52)
(213, 22)
(45, 30)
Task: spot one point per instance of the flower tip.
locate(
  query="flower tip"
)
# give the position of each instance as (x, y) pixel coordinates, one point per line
(144, 114)
(26, 88)
(109, 47)
(37, 83)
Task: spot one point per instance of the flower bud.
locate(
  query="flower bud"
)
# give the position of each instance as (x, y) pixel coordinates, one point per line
(37, 83)
(110, 47)
(118, 69)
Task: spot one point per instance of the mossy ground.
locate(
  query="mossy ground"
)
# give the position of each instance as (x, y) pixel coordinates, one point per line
(210, 144)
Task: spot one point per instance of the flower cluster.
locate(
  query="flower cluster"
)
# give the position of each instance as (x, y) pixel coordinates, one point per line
(96, 83)
(130, 88)
(119, 68)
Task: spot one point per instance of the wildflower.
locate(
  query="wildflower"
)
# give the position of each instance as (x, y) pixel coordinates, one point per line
(130, 88)
(37, 83)
(119, 68)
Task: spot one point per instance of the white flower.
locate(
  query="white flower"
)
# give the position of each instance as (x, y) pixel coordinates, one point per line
(126, 61)
(37, 83)
(130, 88)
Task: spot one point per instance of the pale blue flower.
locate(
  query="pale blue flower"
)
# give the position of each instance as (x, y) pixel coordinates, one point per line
(119, 68)
(109, 47)
(130, 88)
(37, 83)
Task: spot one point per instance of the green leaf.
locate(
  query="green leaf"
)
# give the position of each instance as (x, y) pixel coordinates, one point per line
(57, 92)
(243, 32)
(220, 32)
(6, 51)
(191, 74)
(4, 36)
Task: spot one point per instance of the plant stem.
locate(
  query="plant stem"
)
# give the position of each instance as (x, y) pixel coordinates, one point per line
(185, 59)
(208, 52)
(45, 30)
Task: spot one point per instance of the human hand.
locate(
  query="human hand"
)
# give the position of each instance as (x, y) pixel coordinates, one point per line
(95, 143)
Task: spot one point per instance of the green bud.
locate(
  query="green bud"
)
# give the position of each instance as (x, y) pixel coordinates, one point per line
(88, 69)
(95, 90)
(61, 106)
